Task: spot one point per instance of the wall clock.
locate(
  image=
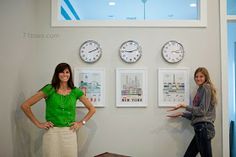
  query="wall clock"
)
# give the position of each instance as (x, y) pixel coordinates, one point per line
(90, 51)
(172, 51)
(130, 51)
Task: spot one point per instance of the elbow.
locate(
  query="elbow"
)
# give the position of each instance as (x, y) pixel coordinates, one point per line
(24, 107)
(93, 110)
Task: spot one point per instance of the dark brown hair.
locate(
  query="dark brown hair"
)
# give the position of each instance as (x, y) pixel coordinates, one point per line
(205, 72)
(55, 79)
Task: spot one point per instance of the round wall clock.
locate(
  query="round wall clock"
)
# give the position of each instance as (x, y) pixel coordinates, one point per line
(90, 51)
(130, 51)
(172, 51)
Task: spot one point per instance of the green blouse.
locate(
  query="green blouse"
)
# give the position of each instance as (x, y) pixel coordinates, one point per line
(61, 109)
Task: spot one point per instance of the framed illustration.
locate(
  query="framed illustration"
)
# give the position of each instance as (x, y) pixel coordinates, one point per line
(131, 87)
(173, 86)
(92, 83)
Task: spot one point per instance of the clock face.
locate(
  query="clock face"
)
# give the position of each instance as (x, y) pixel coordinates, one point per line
(172, 52)
(90, 51)
(130, 51)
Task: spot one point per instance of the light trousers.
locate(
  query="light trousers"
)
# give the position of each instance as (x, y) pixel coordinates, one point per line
(60, 142)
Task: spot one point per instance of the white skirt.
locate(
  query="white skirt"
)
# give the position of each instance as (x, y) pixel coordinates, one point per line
(60, 142)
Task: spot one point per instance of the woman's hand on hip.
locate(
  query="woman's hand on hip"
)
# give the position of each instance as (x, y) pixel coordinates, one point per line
(76, 125)
(45, 125)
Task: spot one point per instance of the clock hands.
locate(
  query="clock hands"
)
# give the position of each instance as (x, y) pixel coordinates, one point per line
(93, 50)
(130, 51)
(176, 51)
(173, 52)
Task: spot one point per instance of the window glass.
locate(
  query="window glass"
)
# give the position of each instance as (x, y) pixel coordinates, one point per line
(231, 67)
(129, 10)
(231, 7)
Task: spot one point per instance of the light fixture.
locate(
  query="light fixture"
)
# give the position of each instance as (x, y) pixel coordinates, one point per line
(112, 3)
(193, 5)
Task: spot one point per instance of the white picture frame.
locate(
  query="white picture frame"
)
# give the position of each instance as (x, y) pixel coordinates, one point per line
(131, 87)
(92, 83)
(173, 86)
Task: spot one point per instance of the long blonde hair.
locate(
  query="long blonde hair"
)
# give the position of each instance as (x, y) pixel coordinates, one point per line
(205, 72)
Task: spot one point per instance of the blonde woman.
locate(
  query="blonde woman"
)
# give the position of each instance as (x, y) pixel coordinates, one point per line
(202, 115)
(60, 138)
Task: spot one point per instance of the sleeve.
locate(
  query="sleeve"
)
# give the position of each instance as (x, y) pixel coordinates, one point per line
(78, 93)
(204, 105)
(47, 90)
(187, 115)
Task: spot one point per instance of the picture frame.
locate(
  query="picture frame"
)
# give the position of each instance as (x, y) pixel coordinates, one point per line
(92, 83)
(173, 86)
(131, 87)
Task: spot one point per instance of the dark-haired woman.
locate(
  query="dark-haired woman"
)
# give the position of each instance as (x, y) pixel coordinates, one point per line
(60, 138)
(202, 115)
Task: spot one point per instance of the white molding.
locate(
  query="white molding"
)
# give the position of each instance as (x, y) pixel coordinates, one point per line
(54, 11)
(231, 17)
(203, 13)
(55, 22)
(224, 79)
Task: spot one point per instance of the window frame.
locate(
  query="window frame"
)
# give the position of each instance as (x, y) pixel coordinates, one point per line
(201, 22)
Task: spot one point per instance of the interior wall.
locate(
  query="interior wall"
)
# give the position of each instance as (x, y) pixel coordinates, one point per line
(17, 19)
(37, 48)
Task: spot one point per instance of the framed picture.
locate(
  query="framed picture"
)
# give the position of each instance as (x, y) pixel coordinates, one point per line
(173, 86)
(92, 83)
(131, 87)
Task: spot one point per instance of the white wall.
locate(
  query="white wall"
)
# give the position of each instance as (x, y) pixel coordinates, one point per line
(16, 18)
(28, 60)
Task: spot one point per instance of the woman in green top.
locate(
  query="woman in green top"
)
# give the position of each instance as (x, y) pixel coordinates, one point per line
(60, 96)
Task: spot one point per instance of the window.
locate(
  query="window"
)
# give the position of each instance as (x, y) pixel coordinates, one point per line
(231, 38)
(129, 13)
(228, 47)
(231, 7)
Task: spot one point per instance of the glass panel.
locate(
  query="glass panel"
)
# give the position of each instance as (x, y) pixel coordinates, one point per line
(129, 9)
(231, 52)
(232, 74)
(231, 7)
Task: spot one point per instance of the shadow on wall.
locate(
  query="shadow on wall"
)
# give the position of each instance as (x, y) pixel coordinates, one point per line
(179, 129)
(85, 134)
(27, 138)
